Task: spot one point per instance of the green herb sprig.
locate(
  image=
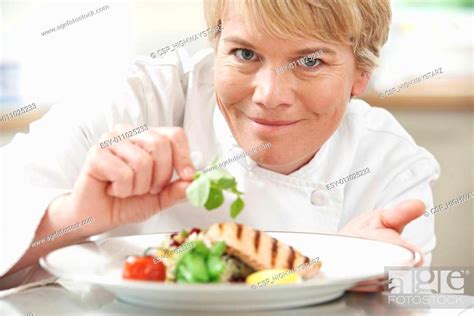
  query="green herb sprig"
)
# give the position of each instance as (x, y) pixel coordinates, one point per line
(207, 190)
(201, 264)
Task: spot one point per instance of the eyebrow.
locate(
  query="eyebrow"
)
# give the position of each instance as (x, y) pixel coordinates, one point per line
(238, 40)
(304, 52)
(324, 49)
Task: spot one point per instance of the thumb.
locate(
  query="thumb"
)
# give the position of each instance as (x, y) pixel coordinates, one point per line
(173, 193)
(398, 216)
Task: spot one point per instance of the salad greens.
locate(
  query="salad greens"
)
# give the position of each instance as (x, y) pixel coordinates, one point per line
(207, 190)
(201, 264)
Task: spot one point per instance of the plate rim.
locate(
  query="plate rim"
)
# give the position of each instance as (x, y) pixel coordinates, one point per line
(148, 285)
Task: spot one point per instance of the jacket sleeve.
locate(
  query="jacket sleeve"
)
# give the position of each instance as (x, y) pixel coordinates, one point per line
(399, 170)
(39, 166)
(414, 181)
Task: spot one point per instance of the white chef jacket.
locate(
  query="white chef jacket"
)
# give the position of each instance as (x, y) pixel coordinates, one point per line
(178, 91)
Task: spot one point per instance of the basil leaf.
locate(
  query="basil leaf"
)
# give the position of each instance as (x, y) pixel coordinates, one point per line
(236, 192)
(215, 267)
(218, 249)
(206, 190)
(200, 248)
(236, 207)
(226, 183)
(201, 264)
(183, 274)
(216, 198)
(197, 266)
(198, 192)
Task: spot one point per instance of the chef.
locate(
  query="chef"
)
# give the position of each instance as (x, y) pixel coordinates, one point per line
(185, 111)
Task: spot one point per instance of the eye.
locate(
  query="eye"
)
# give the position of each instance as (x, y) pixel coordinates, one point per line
(310, 62)
(244, 54)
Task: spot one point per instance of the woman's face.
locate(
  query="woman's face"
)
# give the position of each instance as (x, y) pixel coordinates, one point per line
(297, 110)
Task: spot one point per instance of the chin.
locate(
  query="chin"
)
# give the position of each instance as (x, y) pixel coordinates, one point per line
(283, 159)
(273, 158)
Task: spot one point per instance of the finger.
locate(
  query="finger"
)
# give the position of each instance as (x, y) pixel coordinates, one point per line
(415, 250)
(422, 260)
(104, 166)
(181, 154)
(121, 132)
(108, 139)
(140, 162)
(159, 147)
(150, 204)
(418, 255)
(401, 214)
(146, 141)
(173, 193)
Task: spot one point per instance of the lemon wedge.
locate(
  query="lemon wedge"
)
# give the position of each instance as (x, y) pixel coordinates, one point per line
(272, 277)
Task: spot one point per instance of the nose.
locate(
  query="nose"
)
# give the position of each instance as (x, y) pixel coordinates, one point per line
(273, 90)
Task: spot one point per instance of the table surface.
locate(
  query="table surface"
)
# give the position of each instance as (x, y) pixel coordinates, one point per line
(70, 299)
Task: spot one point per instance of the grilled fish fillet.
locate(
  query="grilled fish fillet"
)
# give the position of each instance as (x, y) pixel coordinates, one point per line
(260, 251)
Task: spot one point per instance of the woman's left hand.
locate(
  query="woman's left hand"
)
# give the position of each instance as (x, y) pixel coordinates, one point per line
(384, 225)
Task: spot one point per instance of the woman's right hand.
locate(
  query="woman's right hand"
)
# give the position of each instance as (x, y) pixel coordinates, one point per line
(130, 180)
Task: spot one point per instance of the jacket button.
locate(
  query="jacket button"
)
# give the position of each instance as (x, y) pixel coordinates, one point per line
(319, 198)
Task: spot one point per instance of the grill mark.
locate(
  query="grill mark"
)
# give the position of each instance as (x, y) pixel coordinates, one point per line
(256, 241)
(306, 259)
(291, 258)
(221, 228)
(274, 250)
(239, 231)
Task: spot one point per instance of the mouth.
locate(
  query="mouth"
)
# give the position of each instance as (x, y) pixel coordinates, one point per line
(275, 123)
(271, 128)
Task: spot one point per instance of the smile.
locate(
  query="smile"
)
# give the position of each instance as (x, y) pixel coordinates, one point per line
(271, 126)
(273, 122)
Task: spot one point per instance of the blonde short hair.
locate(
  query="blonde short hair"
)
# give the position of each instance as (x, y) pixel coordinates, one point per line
(363, 24)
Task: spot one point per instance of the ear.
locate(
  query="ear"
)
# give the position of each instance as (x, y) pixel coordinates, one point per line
(360, 83)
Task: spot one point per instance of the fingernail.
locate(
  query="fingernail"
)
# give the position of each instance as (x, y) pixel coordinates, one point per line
(188, 172)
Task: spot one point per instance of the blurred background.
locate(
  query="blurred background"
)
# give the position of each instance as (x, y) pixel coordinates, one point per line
(93, 55)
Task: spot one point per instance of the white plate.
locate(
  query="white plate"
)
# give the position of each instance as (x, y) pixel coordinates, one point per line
(345, 261)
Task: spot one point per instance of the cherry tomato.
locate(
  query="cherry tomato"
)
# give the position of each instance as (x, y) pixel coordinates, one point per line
(143, 268)
(195, 230)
